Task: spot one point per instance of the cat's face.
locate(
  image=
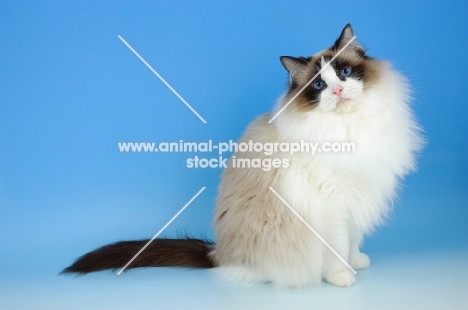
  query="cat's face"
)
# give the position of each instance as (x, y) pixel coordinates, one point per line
(338, 86)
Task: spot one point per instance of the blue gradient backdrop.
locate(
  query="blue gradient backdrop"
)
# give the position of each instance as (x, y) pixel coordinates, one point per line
(70, 90)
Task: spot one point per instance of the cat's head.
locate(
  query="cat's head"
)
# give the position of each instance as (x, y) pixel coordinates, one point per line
(338, 86)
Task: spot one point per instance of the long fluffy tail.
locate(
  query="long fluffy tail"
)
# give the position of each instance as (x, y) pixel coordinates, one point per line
(186, 252)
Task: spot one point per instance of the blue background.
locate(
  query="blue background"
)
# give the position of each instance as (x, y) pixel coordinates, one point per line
(70, 90)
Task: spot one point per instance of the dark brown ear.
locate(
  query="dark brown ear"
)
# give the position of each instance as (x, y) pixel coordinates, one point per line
(347, 35)
(297, 67)
(293, 64)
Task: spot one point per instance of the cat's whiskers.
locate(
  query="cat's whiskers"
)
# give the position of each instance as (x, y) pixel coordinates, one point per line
(369, 85)
(308, 103)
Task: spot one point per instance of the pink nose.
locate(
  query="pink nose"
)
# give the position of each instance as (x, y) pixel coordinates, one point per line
(337, 91)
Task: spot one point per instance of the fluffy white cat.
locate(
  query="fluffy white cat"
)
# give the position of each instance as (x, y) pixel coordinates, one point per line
(343, 196)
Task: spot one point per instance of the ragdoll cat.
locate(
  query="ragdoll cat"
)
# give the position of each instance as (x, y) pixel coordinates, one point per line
(343, 196)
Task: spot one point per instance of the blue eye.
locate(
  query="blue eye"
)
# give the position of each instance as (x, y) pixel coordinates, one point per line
(345, 72)
(318, 85)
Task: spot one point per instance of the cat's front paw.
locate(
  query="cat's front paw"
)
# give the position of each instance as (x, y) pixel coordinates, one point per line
(360, 261)
(344, 278)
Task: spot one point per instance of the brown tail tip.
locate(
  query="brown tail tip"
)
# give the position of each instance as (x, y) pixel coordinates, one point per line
(188, 252)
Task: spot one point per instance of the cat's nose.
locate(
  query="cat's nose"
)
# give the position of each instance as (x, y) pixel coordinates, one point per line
(337, 90)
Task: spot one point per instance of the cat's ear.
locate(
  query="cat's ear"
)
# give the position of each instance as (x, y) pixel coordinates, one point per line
(347, 34)
(295, 66)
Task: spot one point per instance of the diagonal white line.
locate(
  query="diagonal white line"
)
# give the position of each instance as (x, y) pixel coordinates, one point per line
(308, 83)
(161, 230)
(313, 230)
(162, 79)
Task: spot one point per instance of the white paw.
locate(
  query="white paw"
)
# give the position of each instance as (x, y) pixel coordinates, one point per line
(360, 261)
(343, 278)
